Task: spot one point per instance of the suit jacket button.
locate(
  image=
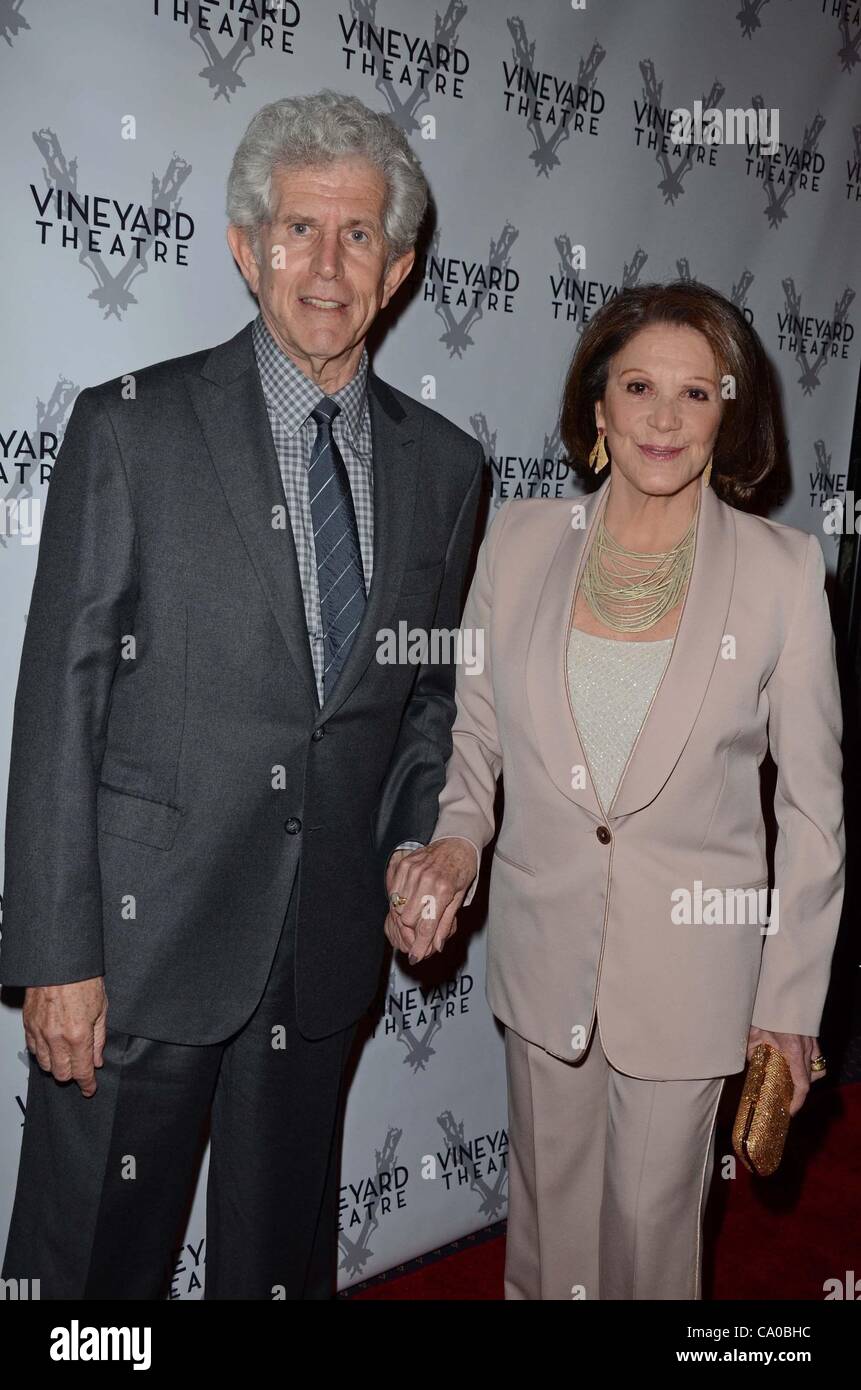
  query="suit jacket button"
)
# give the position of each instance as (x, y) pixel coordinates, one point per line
(318, 733)
(293, 826)
(603, 834)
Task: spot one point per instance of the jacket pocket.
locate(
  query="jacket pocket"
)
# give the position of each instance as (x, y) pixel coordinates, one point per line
(136, 818)
(148, 701)
(422, 578)
(524, 868)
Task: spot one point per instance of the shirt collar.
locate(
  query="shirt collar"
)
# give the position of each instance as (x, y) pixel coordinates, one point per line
(293, 395)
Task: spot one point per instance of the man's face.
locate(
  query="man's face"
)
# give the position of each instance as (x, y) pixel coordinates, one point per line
(320, 275)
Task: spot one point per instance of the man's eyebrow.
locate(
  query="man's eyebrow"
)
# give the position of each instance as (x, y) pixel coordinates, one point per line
(292, 216)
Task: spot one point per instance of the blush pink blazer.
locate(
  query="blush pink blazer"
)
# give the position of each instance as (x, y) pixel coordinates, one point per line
(583, 904)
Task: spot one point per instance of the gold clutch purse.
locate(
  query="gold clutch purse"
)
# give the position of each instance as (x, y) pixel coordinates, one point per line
(762, 1119)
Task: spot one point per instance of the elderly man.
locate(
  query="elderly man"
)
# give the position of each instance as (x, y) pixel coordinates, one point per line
(210, 768)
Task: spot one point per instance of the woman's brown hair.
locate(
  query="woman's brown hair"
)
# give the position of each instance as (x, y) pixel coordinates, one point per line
(746, 448)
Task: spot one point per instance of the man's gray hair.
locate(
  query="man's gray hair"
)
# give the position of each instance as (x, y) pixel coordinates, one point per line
(298, 132)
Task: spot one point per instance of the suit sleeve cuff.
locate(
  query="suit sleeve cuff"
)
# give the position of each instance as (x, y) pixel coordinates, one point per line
(405, 844)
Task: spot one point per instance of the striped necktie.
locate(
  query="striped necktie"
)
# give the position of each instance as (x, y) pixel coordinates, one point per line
(340, 575)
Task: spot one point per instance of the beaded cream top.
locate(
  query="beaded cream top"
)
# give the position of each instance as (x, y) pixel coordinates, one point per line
(611, 684)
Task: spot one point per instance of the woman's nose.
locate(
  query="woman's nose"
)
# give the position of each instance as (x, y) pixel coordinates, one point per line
(664, 415)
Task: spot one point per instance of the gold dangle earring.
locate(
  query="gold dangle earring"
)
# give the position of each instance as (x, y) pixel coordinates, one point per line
(598, 458)
(707, 472)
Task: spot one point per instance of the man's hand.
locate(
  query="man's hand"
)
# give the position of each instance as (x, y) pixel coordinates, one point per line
(799, 1051)
(434, 881)
(64, 1025)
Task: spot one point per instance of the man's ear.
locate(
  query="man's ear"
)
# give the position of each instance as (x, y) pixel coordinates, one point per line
(396, 274)
(240, 245)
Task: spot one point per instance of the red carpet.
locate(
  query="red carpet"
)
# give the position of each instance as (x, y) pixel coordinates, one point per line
(774, 1238)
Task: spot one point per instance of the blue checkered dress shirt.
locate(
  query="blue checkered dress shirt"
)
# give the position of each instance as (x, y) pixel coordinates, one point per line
(290, 396)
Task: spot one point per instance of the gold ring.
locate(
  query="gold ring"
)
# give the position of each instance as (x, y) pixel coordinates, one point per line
(818, 1063)
(397, 900)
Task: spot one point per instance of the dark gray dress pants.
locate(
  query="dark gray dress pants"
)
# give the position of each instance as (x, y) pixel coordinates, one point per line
(105, 1182)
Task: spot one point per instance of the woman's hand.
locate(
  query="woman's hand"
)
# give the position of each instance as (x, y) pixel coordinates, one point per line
(434, 881)
(799, 1051)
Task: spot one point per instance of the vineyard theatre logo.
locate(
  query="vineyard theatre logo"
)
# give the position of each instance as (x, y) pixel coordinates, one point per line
(828, 494)
(27, 458)
(475, 288)
(406, 68)
(813, 340)
(847, 13)
(737, 294)
(480, 1164)
(188, 1270)
(654, 128)
(105, 232)
(748, 16)
(853, 169)
(21, 1099)
(575, 296)
(364, 1202)
(228, 32)
(552, 106)
(11, 19)
(518, 475)
(414, 1015)
(23, 1057)
(787, 169)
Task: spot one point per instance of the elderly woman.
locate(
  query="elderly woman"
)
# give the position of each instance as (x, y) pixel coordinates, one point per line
(644, 647)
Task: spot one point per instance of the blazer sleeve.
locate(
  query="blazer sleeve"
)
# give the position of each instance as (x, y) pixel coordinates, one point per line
(81, 605)
(805, 730)
(467, 799)
(417, 767)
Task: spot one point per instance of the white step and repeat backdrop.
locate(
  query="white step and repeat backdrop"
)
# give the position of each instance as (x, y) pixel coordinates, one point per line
(543, 128)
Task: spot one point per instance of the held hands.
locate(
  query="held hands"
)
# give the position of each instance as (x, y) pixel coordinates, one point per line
(799, 1051)
(64, 1025)
(434, 881)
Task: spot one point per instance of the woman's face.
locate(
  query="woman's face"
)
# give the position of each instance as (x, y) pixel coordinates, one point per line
(662, 408)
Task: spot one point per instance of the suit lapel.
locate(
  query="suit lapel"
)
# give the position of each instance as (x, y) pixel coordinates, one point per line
(546, 679)
(681, 691)
(231, 410)
(694, 654)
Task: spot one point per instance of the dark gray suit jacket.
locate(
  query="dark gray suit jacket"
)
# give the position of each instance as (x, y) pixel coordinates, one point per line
(162, 801)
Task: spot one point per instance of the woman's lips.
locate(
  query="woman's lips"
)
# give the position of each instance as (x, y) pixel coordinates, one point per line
(654, 451)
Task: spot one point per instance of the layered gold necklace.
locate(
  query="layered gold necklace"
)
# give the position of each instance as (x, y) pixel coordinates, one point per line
(631, 590)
